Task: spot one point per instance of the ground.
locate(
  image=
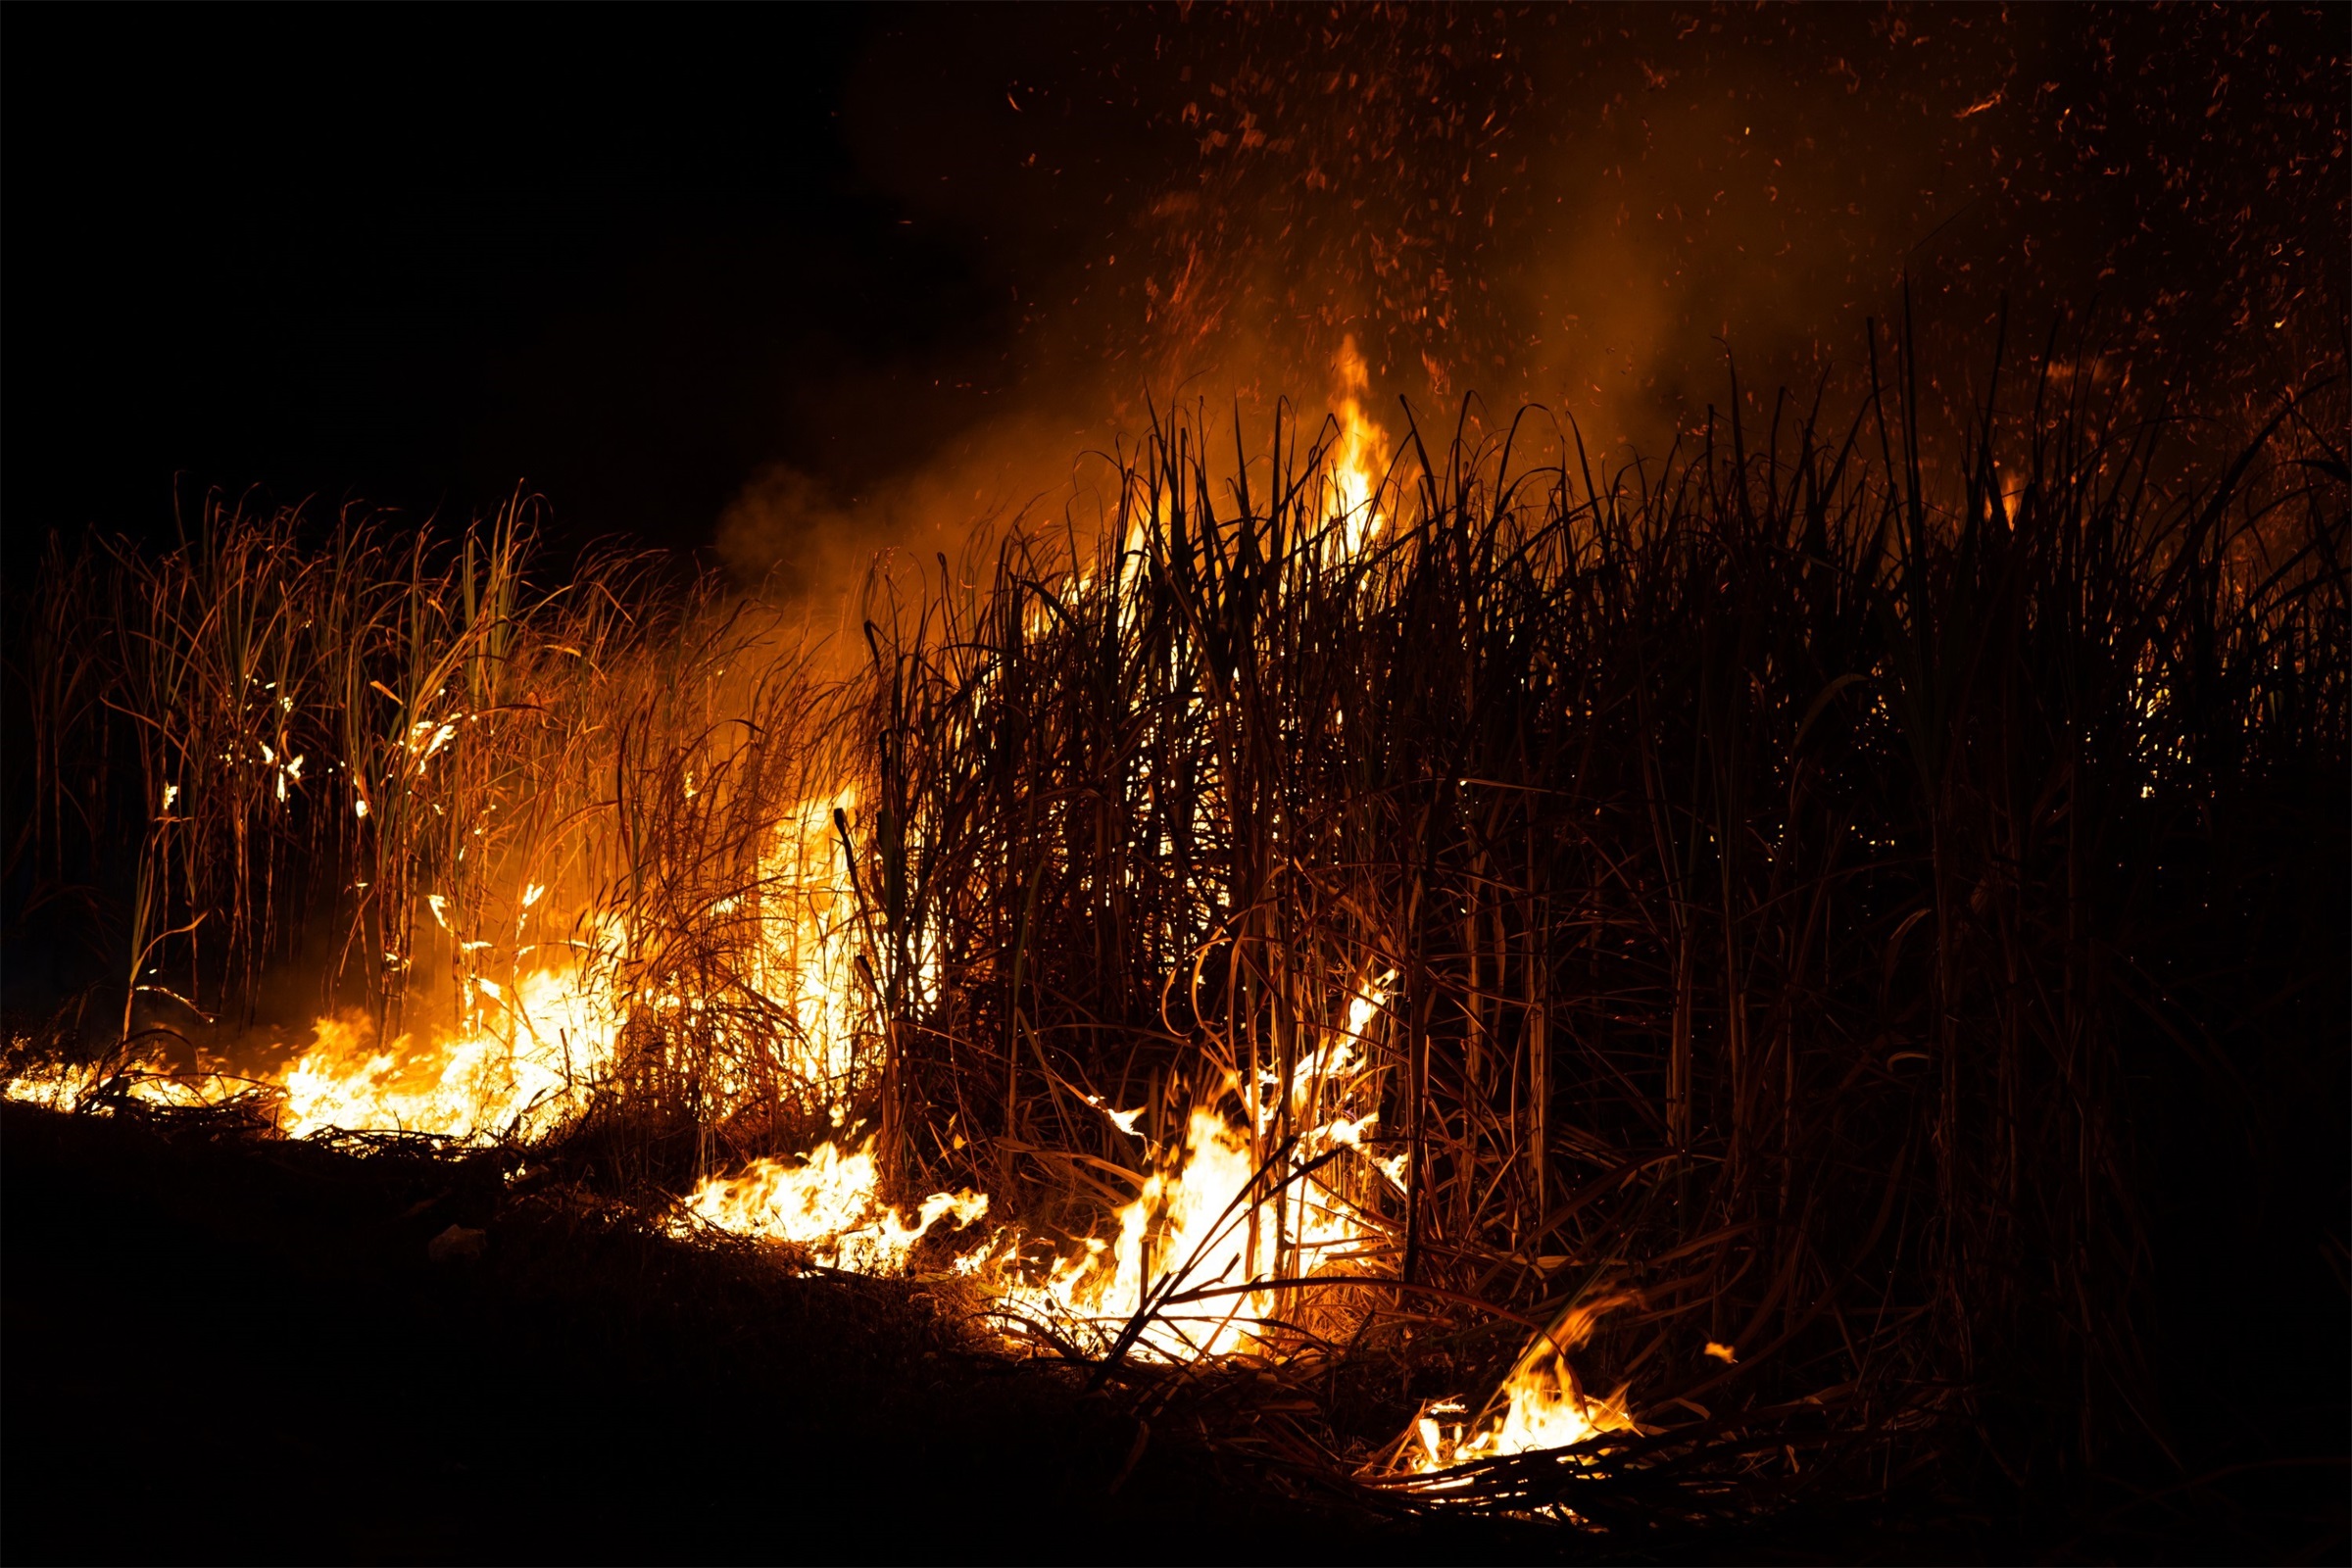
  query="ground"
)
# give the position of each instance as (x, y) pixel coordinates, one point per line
(224, 1347)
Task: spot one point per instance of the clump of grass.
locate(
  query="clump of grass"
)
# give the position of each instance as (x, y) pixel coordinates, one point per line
(1817, 893)
(1816, 896)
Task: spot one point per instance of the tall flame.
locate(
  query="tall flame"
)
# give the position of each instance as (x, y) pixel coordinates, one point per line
(1359, 456)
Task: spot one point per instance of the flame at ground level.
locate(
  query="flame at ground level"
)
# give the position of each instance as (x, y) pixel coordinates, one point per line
(829, 1204)
(1541, 1405)
(479, 1082)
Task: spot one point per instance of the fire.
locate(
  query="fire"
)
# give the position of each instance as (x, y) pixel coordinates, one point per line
(827, 1203)
(1185, 1231)
(1359, 458)
(1200, 1247)
(67, 1086)
(50, 1084)
(1541, 1405)
(473, 1084)
(804, 955)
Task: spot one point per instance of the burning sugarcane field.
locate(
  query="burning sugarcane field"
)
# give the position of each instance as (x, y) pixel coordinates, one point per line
(1178, 783)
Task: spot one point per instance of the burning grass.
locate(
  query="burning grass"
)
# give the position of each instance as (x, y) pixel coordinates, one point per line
(1721, 956)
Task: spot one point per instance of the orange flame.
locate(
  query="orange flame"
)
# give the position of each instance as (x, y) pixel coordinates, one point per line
(1541, 1405)
(826, 1203)
(1194, 1247)
(1359, 458)
(521, 1079)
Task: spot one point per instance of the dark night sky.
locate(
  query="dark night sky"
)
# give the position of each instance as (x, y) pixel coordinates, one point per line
(636, 259)
(414, 256)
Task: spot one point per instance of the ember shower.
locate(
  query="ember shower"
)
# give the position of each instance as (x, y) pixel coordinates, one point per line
(1660, 695)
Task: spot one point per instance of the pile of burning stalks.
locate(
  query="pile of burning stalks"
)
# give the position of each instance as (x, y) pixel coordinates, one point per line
(1618, 994)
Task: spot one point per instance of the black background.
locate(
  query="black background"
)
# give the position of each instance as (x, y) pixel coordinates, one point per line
(419, 258)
